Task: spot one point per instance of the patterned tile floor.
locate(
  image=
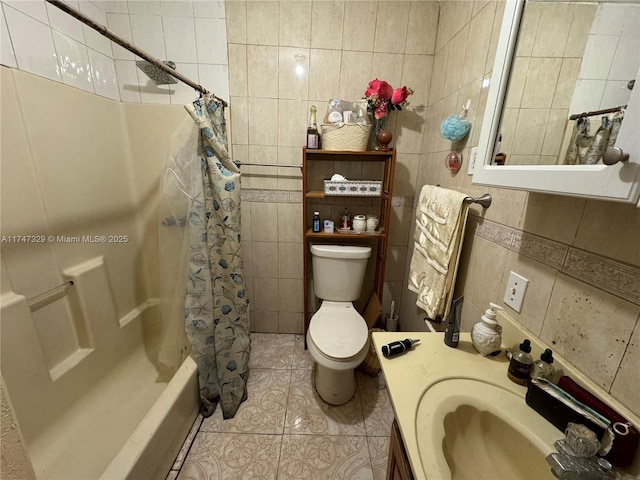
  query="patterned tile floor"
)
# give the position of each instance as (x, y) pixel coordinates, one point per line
(285, 431)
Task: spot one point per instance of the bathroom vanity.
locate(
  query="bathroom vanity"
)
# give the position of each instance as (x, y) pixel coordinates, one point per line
(457, 410)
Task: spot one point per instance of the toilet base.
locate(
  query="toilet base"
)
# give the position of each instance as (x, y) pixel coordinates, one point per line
(335, 387)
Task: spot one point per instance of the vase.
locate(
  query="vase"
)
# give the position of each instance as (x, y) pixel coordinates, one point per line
(384, 139)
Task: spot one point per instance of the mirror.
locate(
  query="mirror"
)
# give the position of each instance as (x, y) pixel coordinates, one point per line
(562, 72)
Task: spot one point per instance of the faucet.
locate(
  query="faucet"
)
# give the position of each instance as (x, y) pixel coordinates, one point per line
(568, 467)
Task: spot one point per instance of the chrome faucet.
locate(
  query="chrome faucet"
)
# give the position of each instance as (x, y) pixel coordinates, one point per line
(569, 467)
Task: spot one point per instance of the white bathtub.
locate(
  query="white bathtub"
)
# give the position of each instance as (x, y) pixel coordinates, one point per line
(121, 420)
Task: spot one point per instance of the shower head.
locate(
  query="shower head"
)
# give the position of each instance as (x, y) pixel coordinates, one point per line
(158, 76)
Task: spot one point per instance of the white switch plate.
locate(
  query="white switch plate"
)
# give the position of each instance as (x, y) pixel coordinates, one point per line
(472, 161)
(516, 288)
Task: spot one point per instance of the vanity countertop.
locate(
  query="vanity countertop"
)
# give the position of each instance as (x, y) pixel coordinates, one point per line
(408, 375)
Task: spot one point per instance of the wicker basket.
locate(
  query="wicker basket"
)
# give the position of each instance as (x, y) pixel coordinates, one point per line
(345, 136)
(371, 364)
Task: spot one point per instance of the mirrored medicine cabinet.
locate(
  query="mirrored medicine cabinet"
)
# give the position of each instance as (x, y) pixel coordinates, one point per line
(563, 109)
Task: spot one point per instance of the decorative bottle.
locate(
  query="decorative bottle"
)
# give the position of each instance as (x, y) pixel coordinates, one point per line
(521, 363)
(313, 139)
(487, 334)
(543, 368)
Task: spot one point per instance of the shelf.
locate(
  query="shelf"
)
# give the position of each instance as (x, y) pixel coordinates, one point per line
(321, 194)
(312, 234)
(346, 156)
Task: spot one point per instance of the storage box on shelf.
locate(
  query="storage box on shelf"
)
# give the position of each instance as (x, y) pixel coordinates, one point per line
(375, 168)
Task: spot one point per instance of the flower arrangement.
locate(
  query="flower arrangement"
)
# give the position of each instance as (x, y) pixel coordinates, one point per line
(383, 99)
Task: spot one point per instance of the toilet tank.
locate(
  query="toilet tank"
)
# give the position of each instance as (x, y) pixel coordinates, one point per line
(338, 271)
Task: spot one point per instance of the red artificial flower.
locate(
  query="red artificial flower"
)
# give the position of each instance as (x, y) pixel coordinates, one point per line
(379, 89)
(381, 111)
(400, 95)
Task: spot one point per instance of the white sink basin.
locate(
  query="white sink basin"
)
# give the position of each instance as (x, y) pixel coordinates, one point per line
(472, 429)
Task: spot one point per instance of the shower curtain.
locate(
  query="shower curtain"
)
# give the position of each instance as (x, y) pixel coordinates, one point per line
(215, 307)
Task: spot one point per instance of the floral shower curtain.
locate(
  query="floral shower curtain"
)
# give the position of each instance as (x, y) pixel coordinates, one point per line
(216, 303)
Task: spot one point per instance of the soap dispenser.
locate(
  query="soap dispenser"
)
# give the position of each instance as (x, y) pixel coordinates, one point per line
(543, 368)
(487, 334)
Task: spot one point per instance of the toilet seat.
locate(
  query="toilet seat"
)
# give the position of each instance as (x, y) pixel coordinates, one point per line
(338, 331)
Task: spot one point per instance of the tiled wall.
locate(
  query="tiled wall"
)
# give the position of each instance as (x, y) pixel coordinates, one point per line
(612, 58)
(547, 60)
(340, 46)
(580, 256)
(39, 38)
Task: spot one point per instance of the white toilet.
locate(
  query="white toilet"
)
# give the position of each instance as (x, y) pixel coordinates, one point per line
(337, 337)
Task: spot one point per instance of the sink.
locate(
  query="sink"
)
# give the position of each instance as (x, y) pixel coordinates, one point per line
(472, 429)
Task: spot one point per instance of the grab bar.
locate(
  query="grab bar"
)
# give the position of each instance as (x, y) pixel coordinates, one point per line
(48, 297)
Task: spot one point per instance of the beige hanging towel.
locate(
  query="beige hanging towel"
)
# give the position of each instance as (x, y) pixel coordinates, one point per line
(441, 217)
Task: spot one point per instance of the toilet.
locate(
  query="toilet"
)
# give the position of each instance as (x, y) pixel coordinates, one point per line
(337, 337)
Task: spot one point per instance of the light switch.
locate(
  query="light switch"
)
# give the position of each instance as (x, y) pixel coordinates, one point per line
(516, 288)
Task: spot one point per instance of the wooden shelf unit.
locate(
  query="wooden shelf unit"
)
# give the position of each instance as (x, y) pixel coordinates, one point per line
(388, 159)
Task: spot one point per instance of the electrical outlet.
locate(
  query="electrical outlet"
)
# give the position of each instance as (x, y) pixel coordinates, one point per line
(516, 288)
(472, 161)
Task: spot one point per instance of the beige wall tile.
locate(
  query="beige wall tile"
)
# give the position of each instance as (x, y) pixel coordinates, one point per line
(290, 178)
(261, 31)
(388, 67)
(578, 326)
(292, 123)
(529, 134)
(583, 15)
(359, 19)
(405, 177)
(436, 92)
(462, 14)
(239, 120)
(610, 229)
(327, 20)
(354, 74)
(290, 295)
(554, 133)
(265, 322)
(566, 83)
(409, 128)
(445, 24)
(391, 27)
(324, 73)
(422, 27)
(264, 222)
(394, 270)
(265, 178)
(265, 260)
(625, 385)
(542, 77)
(291, 260)
(455, 63)
(266, 294)
(238, 70)
(552, 34)
(416, 74)
(290, 322)
(236, 13)
(482, 276)
(477, 47)
(541, 282)
(289, 222)
(293, 73)
(517, 80)
(262, 71)
(295, 23)
(263, 130)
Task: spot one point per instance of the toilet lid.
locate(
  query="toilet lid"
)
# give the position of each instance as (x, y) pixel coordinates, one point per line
(338, 330)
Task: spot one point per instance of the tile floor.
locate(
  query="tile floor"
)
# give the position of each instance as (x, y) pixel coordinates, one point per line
(285, 431)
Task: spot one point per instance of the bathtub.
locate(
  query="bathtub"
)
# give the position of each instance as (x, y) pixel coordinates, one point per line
(128, 423)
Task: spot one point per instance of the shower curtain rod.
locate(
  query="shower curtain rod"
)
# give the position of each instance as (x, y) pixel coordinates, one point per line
(104, 31)
(597, 112)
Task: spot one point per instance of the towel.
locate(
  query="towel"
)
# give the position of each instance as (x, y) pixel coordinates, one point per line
(441, 217)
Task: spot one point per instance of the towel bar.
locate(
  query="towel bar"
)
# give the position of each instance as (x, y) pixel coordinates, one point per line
(485, 200)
